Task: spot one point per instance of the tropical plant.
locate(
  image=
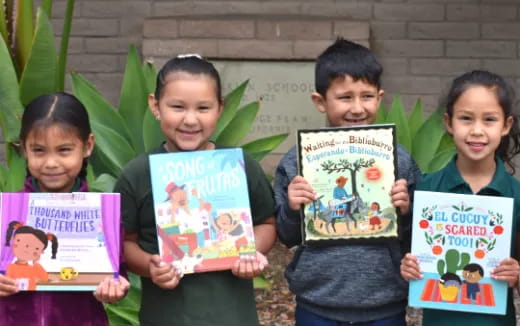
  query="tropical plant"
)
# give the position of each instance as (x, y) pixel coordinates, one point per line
(426, 140)
(30, 66)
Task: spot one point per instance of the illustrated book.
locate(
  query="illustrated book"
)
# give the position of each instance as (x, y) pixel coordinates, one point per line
(458, 240)
(352, 170)
(59, 241)
(202, 211)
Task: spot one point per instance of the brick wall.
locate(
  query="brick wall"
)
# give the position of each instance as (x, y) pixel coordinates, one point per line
(421, 43)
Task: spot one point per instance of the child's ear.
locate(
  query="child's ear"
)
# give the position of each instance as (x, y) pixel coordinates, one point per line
(447, 123)
(89, 145)
(319, 102)
(380, 94)
(220, 107)
(153, 104)
(507, 125)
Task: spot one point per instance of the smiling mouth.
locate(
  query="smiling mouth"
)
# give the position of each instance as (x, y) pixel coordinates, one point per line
(476, 146)
(356, 121)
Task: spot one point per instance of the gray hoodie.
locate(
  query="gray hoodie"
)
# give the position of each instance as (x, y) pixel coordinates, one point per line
(350, 282)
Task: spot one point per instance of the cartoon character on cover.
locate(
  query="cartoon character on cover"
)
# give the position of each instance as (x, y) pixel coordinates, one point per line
(226, 226)
(339, 204)
(373, 215)
(472, 274)
(189, 220)
(28, 244)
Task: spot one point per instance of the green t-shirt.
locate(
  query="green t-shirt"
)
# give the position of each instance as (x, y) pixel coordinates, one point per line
(215, 298)
(502, 185)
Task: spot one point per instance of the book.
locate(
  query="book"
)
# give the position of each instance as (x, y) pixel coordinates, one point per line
(458, 239)
(202, 211)
(59, 241)
(352, 170)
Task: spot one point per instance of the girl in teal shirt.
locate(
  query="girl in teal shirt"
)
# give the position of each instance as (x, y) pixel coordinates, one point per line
(479, 116)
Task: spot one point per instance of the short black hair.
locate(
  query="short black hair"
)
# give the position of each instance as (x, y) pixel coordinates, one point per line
(346, 58)
(473, 268)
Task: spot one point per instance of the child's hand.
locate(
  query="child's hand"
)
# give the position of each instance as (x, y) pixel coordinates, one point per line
(299, 192)
(410, 269)
(399, 196)
(8, 286)
(508, 271)
(250, 266)
(111, 290)
(162, 274)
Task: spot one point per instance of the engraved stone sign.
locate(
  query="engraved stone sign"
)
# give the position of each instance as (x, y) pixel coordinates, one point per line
(285, 90)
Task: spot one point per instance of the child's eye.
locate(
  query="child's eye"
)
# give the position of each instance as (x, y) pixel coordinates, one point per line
(368, 96)
(65, 149)
(345, 97)
(177, 106)
(464, 117)
(491, 119)
(203, 108)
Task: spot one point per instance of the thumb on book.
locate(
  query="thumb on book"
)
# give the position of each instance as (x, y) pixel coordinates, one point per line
(156, 260)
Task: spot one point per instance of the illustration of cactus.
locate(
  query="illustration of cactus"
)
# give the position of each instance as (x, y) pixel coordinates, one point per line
(454, 262)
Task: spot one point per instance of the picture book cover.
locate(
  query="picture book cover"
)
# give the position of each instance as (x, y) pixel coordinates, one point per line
(202, 211)
(458, 239)
(59, 241)
(352, 170)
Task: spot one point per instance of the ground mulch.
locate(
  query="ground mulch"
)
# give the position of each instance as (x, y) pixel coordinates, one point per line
(276, 305)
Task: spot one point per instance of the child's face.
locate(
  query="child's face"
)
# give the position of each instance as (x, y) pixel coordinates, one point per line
(349, 103)
(188, 111)
(55, 156)
(477, 125)
(27, 247)
(471, 277)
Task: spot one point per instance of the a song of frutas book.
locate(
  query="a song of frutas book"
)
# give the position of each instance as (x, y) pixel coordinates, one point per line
(202, 211)
(59, 241)
(458, 240)
(352, 170)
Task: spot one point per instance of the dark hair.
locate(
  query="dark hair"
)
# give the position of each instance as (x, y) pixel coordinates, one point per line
(18, 228)
(346, 58)
(473, 268)
(57, 108)
(192, 64)
(509, 144)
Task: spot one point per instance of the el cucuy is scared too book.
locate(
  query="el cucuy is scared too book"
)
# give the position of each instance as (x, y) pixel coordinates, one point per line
(202, 212)
(352, 170)
(59, 241)
(458, 240)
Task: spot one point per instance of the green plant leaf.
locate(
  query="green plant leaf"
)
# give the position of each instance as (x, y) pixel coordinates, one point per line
(152, 133)
(100, 164)
(446, 143)
(398, 116)
(3, 22)
(440, 160)
(260, 282)
(427, 140)
(47, 7)
(259, 148)
(150, 76)
(113, 145)
(382, 113)
(239, 126)
(415, 120)
(17, 172)
(104, 183)
(133, 100)
(11, 108)
(231, 104)
(64, 45)
(98, 108)
(24, 32)
(39, 75)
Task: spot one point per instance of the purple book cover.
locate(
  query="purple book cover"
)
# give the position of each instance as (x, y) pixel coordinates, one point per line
(59, 241)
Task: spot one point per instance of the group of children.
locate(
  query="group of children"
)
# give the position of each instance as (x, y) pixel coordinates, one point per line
(354, 284)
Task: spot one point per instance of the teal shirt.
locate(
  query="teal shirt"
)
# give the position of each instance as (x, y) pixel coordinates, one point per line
(502, 185)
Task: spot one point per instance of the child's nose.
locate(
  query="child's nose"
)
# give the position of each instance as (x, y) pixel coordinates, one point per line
(357, 106)
(190, 117)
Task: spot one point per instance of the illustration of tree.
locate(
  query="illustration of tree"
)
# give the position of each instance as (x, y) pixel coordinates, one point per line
(344, 165)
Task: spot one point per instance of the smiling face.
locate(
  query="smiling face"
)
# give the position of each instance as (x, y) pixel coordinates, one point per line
(188, 110)
(349, 103)
(27, 247)
(477, 125)
(55, 157)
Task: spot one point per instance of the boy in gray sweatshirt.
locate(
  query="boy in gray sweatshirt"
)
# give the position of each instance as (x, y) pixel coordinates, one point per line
(349, 283)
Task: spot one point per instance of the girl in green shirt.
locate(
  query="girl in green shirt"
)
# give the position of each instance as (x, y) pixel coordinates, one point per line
(479, 116)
